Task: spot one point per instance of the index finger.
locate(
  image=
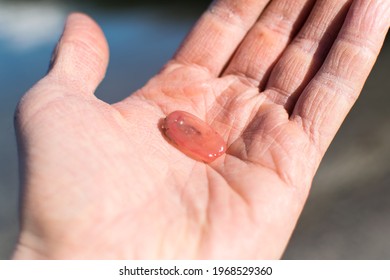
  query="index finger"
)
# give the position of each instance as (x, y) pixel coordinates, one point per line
(218, 32)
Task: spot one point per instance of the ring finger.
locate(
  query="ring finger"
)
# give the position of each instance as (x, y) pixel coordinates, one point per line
(306, 53)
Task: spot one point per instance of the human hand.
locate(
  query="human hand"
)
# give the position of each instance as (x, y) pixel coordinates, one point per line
(100, 180)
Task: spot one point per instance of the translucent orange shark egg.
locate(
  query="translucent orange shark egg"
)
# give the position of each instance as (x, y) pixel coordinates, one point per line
(193, 136)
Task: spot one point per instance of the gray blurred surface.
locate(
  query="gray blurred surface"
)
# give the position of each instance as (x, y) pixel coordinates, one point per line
(348, 212)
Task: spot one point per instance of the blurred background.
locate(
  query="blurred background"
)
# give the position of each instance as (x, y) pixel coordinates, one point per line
(347, 215)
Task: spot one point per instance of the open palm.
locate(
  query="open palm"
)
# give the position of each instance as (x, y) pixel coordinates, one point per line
(276, 81)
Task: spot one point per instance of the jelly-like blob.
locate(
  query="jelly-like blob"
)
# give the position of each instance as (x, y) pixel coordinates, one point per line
(193, 136)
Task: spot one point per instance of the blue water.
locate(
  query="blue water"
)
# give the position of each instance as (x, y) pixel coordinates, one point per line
(140, 41)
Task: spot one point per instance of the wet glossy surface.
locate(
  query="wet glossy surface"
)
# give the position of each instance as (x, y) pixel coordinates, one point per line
(193, 136)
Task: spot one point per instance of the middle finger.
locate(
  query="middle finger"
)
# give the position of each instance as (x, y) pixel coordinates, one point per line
(267, 39)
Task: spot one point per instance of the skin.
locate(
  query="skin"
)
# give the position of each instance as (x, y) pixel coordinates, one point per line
(275, 81)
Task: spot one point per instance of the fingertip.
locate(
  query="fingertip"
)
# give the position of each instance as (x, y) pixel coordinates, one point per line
(82, 53)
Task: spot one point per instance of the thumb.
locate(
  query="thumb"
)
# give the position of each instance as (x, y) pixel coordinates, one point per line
(81, 57)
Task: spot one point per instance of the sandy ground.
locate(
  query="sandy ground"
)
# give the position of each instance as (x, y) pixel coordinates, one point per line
(347, 215)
